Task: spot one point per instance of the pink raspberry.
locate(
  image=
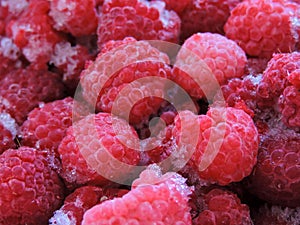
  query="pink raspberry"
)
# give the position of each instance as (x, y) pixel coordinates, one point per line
(82, 199)
(223, 207)
(92, 151)
(156, 199)
(77, 17)
(8, 131)
(262, 27)
(141, 19)
(224, 58)
(276, 176)
(205, 16)
(30, 190)
(32, 32)
(135, 72)
(223, 145)
(22, 90)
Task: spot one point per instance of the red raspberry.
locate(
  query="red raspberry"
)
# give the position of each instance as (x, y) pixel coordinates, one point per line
(205, 16)
(138, 18)
(224, 58)
(256, 66)
(82, 199)
(157, 199)
(262, 27)
(23, 89)
(226, 146)
(129, 61)
(276, 215)
(33, 34)
(9, 56)
(8, 131)
(177, 6)
(84, 151)
(77, 17)
(29, 191)
(70, 60)
(276, 176)
(46, 126)
(281, 69)
(223, 207)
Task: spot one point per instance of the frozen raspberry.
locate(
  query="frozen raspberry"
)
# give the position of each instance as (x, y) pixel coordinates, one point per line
(256, 66)
(262, 27)
(223, 207)
(70, 61)
(141, 19)
(157, 199)
(226, 147)
(82, 199)
(77, 17)
(9, 56)
(32, 32)
(46, 125)
(94, 151)
(205, 16)
(276, 176)
(23, 89)
(224, 58)
(177, 6)
(8, 131)
(281, 69)
(30, 190)
(276, 215)
(289, 106)
(129, 84)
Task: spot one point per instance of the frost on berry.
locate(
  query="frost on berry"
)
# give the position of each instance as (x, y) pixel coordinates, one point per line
(30, 190)
(8, 131)
(147, 203)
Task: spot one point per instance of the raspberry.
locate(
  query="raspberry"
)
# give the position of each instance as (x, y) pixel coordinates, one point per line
(129, 61)
(29, 191)
(82, 199)
(22, 90)
(177, 6)
(205, 16)
(262, 27)
(276, 176)
(70, 61)
(33, 34)
(46, 126)
(138, 18)
(281, 68)
(223, 207)
(84, 151)
(224, 58)
(8, 131)
(276, 215)
(71, 16)
(164, 202)
(229, 134)
(256, 66)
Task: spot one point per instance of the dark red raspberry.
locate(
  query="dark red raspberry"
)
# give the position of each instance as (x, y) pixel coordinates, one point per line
(22, 90)
(262, 27)
(46, 126)
(77, 17)
(127, 87)
(224, 58)
(29, 191)
(280, 70)
(276, 176)
(82, 199)
(205, 16)
(141, 19)
(223, 207)
(8, 131)
(276, 215)
(92, 151)
(32, 32)
(256, 66)
(70, 61)
(224, 143)
(156, 199)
